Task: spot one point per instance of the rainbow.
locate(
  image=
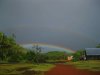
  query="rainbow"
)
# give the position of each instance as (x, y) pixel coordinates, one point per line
(50, 47)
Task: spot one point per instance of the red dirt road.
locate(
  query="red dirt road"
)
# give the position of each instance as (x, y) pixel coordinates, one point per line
(62, 69)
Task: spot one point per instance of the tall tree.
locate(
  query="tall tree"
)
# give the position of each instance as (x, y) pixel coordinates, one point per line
(37, 51)
(9, 49)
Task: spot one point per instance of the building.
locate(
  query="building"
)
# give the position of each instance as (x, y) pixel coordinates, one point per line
(92, 53)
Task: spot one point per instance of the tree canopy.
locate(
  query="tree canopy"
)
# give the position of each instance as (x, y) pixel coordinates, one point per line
(10, 51)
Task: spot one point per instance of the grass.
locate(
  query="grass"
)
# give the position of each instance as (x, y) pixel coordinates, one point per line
(42, 67)
(56, 61)
(93, 65)
(18, 69)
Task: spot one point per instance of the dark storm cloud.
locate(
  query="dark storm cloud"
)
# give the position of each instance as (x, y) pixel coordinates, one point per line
(70, 23)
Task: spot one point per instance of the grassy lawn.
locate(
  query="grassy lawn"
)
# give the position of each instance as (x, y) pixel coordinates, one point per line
(18, 69)
(93, 65)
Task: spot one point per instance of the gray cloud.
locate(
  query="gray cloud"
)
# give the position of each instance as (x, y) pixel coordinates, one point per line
(70, 23)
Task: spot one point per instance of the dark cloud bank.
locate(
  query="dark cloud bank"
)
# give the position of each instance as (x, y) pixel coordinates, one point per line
(70, 23)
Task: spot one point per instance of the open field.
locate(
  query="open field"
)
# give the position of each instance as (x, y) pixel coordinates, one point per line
(93, 65)
(23, 69)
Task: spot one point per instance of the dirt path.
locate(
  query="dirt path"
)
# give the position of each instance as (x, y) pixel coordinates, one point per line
(62, 69)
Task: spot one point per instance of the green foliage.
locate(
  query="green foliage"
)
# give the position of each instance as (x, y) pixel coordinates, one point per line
(21, 69)
(37, 56)
(78, 55)
(98, 46)
(54, 56)
(93, 65)
(10, 51)
(30, 56)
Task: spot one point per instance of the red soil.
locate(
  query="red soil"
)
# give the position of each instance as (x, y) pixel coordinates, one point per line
(62, 69)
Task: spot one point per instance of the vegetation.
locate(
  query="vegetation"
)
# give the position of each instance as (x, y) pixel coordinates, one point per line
(98, 46)
(79, 55)
(11, 52)
(93, 65)
(15, 59)
(12, 55)
(56, 56)
(24, 69)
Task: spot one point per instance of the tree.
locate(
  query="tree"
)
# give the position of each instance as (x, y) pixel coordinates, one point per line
(79, 55)
(56, 56)
(3, 46)
(10, 51)
(37, 51)
(30, 56)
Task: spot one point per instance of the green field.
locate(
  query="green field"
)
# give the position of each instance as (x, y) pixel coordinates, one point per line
(24, 69)
(93, 65)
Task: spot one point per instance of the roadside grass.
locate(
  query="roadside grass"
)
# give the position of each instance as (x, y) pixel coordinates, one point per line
(93, 65)
(56, 61)
(18, 69)
(42, 67)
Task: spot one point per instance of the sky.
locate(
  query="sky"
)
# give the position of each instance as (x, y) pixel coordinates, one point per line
(72, 24)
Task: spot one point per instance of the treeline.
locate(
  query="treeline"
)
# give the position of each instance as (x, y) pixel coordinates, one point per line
(56, 55)
(11, 52)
